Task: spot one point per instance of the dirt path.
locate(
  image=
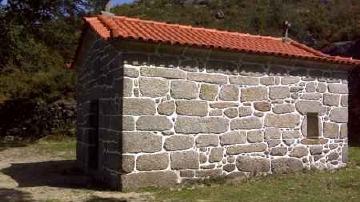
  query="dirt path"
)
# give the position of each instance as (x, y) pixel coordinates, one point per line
(28, 174)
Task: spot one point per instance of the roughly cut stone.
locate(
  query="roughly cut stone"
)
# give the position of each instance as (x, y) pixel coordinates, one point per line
(245, 123)
(168, 73)
(279, 92)
(245, 111)
(321, 88)
(273, 143)
(233, 137)
(207, 78)
(244, 80)
(203, 157)
(339, 115)
(229, 93)
(151, 87)
(191, 107)
(344, 154)
(230, 159)
(128, 123)
(278, 151)
(282, 120)
(216, 154)
(262, 106)
(131, 72)
(239, 149)
(332, 156)
(316, 150)
(331, 130)
(187, 173)
(208, 173)
(344, 100)
(254, 94)
(286, 165)
(136, 142)
(291, 134)
(146, 179)
(272, 133)
(255, 136)
(283, 108)
(166, 108)
(208, 92)
(338, 88)
(299, 151)
(223, 105)
(231, 112)
(296, 89)
(184, 160)
(331, 99)
(138, 106)
(148, 162)
(184, 90)
(267, 81)
(343, 131)
(289, 142)
(305, 107)
(127, 87)
(128, 163)
(253, 164)
(207, 140)
(310, 87)
(311, 96)
(194, 125)
(259, 114)
(229, 167)
(153, 123)
(290, 80)
(215, 112)
(178, 142)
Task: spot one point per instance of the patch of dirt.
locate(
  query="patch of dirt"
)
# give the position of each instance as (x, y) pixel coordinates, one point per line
(27, 176)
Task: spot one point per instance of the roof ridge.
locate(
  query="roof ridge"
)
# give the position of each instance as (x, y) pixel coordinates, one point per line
(195, 28)
(123, 27)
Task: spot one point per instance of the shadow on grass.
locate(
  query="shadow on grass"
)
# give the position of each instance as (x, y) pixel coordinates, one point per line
(49, 173)
(12, 195)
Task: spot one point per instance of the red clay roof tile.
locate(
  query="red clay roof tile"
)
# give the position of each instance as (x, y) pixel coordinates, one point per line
(133, 28)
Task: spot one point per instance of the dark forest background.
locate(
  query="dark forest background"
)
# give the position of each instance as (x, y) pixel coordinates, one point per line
(38, 39)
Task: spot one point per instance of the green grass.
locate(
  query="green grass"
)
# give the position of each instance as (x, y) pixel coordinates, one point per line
(62, 146)
(340, 185)
(55, 145)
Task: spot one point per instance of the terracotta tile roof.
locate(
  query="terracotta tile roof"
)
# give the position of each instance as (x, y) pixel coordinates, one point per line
(133, 28)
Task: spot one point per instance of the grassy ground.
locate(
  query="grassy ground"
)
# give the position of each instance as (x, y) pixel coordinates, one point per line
(311, 186)
(24, 165)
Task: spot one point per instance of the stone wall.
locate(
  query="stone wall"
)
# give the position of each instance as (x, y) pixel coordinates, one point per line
(194, 114)
(98, 86)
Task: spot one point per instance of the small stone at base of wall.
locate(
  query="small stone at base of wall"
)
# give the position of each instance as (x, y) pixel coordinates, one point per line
(147, 179)
(286, 165)
(252, 164)
(208, 173)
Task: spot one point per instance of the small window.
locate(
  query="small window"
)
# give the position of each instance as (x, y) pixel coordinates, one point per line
(312, 125)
